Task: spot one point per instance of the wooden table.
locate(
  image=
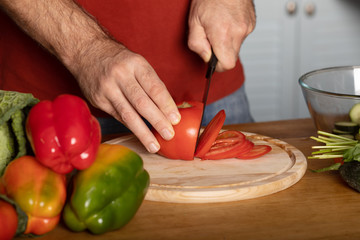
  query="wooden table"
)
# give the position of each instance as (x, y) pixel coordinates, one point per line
(319, 206)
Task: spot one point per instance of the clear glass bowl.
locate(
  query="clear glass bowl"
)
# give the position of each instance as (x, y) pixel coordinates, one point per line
(330, 93)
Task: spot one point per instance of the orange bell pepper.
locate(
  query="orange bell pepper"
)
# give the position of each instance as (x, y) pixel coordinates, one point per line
(38, 191)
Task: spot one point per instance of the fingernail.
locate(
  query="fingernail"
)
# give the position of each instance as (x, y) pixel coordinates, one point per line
(206, 56)
(167, 134)
(153, 148)
(174, 118)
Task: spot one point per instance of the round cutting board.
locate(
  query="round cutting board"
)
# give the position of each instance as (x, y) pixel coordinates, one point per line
(205, 181)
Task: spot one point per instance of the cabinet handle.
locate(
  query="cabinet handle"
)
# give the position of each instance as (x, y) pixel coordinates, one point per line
(291, 7)
(310, 8)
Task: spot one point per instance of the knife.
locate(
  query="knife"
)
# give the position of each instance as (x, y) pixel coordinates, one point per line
(210, 71)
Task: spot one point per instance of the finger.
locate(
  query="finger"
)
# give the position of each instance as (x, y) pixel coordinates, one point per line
(143, 105)
(123, 111)
(137, 126)
(226, 46)
(158, 93)
(198, 41)
(114, 102)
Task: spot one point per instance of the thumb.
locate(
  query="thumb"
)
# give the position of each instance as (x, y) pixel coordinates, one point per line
(198, 42)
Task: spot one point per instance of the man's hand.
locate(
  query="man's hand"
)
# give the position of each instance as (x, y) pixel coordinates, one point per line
(113, 78)
(222, 25)
(124, 85)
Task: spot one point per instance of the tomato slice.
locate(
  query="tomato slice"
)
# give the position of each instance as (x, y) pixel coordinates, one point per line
(228, 144)
(210, 134)
(246, 148)
(229, 136)
(255, 152)
(228, 151)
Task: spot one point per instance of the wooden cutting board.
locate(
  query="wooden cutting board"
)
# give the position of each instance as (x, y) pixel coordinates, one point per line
(205, 181)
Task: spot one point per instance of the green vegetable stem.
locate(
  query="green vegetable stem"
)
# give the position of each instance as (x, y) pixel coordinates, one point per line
(347, 153)
(336, 147)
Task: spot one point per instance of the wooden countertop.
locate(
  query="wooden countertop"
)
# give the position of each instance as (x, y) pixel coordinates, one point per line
(319, 206)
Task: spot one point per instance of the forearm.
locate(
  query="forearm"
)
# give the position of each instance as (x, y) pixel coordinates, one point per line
(60, 26)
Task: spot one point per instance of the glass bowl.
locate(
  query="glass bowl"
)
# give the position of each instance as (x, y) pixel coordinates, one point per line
(330, 94)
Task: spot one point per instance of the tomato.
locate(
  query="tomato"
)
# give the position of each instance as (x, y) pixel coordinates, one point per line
(182, 145)
(211, 145)
(209, 134)
(255, 152)
(2, 188)
(8, 220)
(339, 160)
(228, 144)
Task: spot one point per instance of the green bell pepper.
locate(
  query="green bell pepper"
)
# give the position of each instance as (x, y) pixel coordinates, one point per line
(107, 195)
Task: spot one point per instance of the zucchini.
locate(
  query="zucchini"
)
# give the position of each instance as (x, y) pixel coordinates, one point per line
(349, 127)
(355, 113)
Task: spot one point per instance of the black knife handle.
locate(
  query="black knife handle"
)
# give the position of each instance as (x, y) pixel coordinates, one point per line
(212, 65)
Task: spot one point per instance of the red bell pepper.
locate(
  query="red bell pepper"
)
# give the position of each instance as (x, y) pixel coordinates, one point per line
(63, 134)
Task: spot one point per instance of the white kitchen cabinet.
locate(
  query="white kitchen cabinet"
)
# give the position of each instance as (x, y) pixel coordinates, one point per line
(290, 39)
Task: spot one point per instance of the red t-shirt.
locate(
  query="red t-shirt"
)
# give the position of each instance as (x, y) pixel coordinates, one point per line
(156, 29)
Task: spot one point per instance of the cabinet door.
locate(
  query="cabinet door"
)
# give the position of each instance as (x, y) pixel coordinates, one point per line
(268, 58)
(290, 39)
(330, 36)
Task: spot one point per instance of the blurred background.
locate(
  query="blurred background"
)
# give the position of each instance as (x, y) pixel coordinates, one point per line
(291, 38)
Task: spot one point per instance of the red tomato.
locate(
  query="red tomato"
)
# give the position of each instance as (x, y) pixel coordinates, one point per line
(229, 144)
(255, 152)
(211, 145)
(2, 188)
(210, 134)
(339, 160)
(8, 220)
(182, 145)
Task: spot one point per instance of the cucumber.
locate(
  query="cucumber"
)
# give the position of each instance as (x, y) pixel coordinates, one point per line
(355, 113)
(343, 134)
(337, 131)
(349, 127)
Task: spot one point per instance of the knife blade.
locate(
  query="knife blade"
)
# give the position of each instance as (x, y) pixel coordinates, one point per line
(210, 71)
